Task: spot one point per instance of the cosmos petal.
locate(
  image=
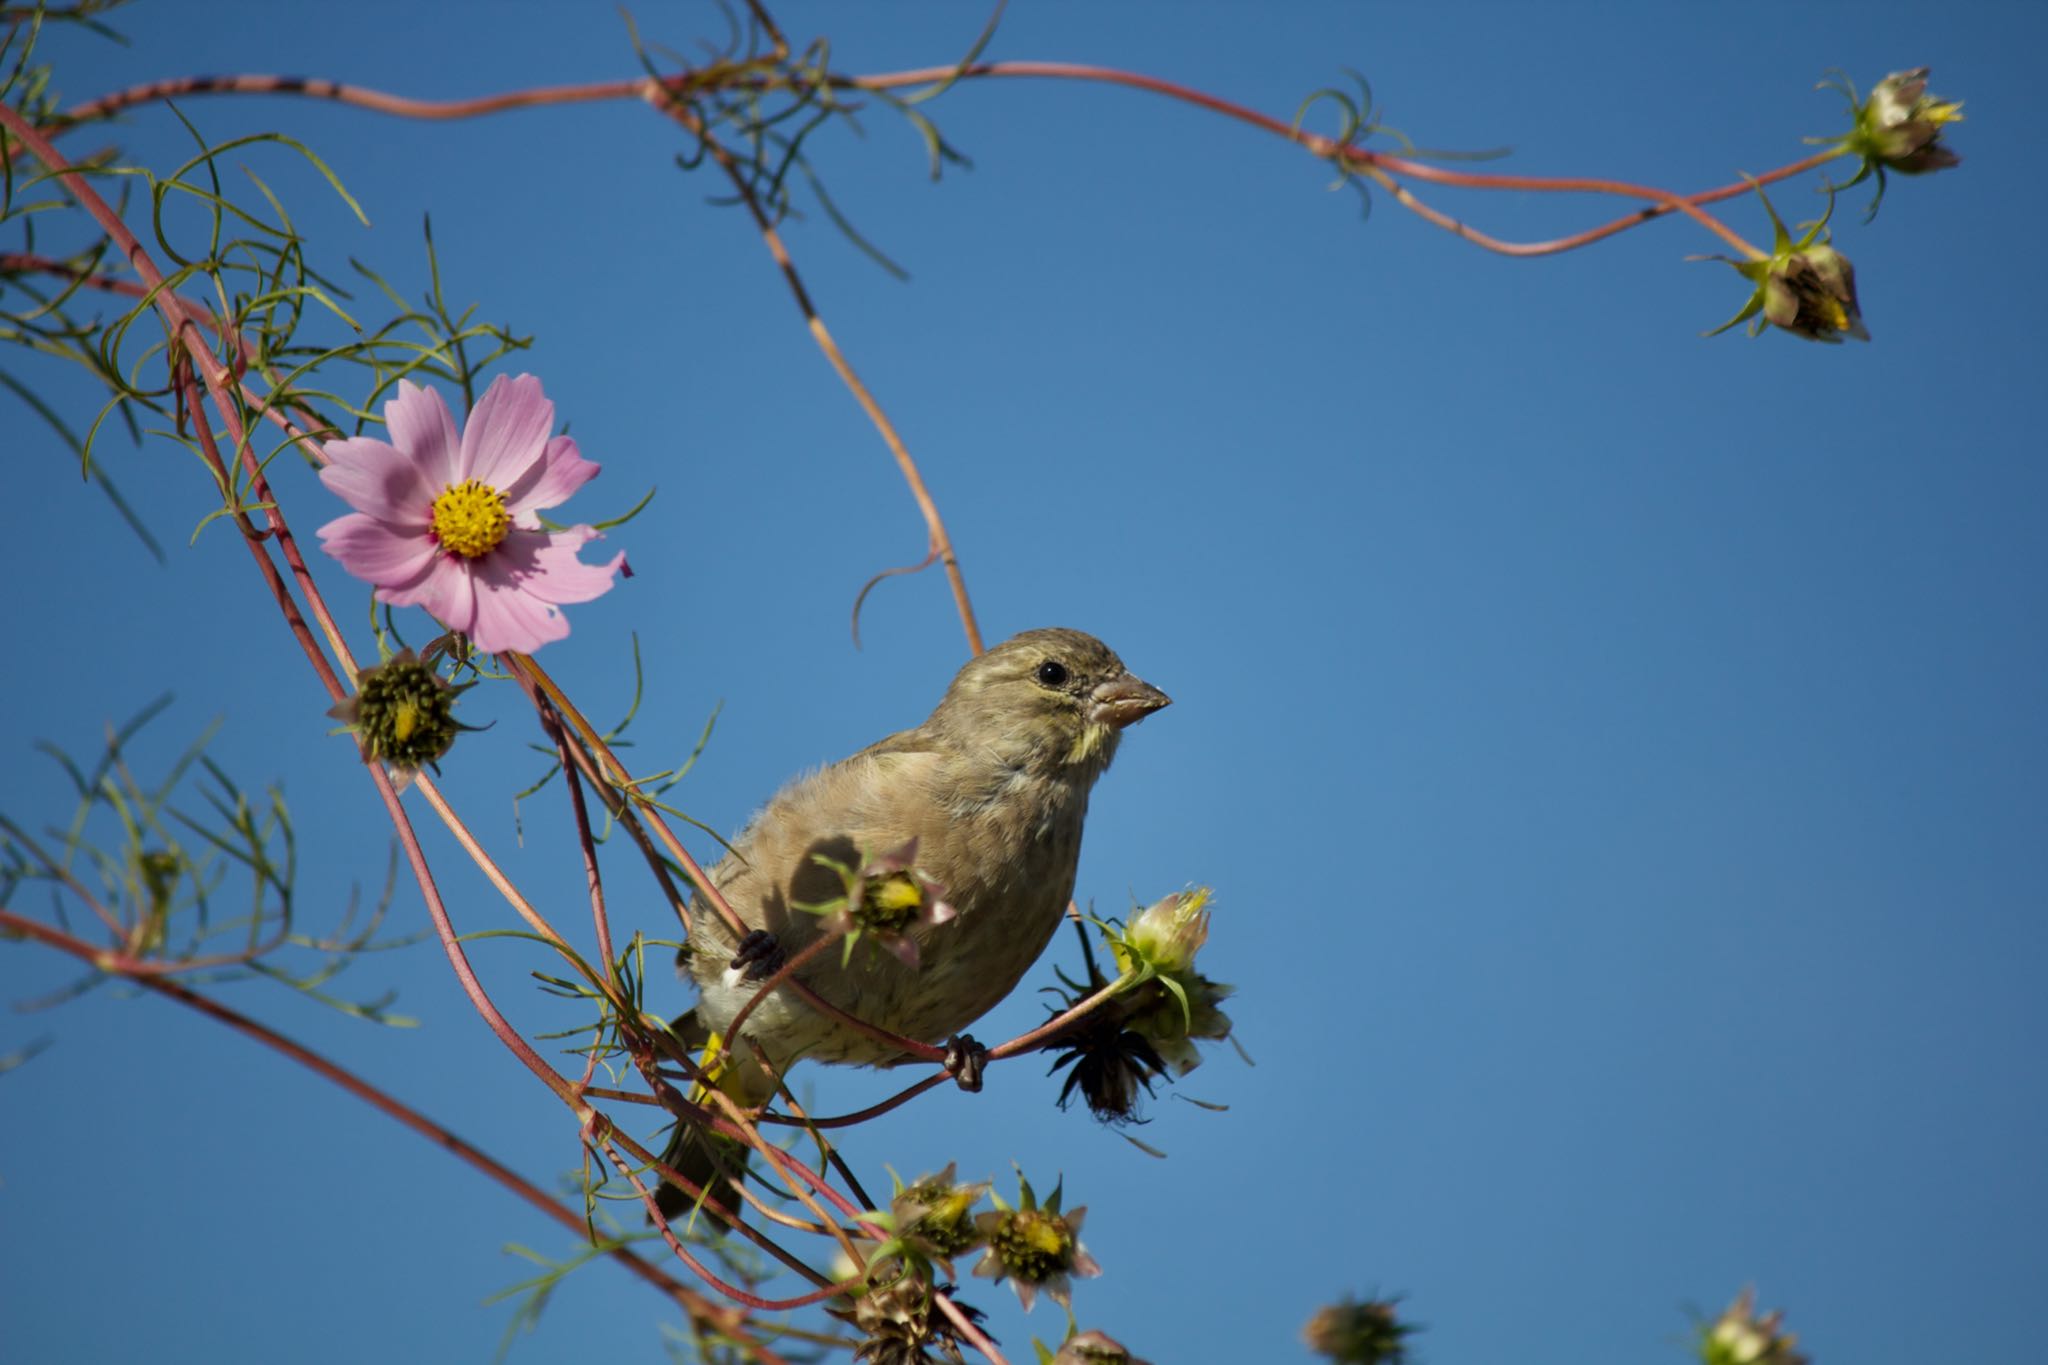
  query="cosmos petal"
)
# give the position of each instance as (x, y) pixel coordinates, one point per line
(422, 428)
(510, 617)
(508, 598)
(376, 552)
(558, 576)
(443, 588)
(374, 477)
(507, 432)
(552, 479)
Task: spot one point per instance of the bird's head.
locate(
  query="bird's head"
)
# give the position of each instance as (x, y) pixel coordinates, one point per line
(1054, 700)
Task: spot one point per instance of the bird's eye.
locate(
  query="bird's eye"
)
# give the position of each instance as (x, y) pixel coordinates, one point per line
(1052, 673)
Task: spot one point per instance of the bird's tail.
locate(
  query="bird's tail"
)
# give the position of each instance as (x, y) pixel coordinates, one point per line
(704, 1158)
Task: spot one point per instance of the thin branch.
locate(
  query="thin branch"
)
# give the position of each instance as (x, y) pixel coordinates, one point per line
(941, 544)
(587, 735)
(1059, 1023)
(692, 1301)
(658, 90)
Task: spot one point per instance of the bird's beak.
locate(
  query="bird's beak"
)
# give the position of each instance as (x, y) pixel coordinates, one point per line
(1123, 701)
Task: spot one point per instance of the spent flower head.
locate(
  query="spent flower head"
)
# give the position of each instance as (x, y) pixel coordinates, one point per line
(1899, 128)
(403, 713)
(1035, 1247)
(1900, 125)
(1354, 1332)
(888, 896)
(1087, 1348)
(1740, 1337)
(1111, 1065)
(897, 1315)
(449, 521)
(934, 1217)
(1804, 287)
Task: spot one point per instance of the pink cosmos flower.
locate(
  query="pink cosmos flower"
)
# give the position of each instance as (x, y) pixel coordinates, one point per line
(448, 522)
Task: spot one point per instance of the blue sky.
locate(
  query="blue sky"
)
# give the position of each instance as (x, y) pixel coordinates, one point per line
(1618, 755)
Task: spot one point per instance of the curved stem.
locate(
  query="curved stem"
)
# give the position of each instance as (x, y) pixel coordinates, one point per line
(935, 526)
(669, 88)
(362, 96)
(671, 94)
(1024, 1042)
(692, 1301)
(593, 878)
(781, 974)
(1663, 198)
(859, 1116)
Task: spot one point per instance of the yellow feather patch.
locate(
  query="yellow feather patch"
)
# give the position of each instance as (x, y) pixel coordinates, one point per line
(712, 1062)
(1087, 742)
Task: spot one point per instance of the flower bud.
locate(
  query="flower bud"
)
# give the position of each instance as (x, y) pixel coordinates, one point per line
(1740, 1337)
(1900, 125)
(1812, 293)
(1804, 287)
(1169, 932)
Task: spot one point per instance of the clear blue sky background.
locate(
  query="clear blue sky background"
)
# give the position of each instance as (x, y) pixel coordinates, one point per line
(1619, 755)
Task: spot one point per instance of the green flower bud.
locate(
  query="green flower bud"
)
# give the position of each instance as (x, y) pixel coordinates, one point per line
(1740, 1337)
(1163, 1004)
(1167, 933)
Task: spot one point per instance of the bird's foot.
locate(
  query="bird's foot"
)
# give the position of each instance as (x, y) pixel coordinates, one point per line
(758, 957)
(965, 1059)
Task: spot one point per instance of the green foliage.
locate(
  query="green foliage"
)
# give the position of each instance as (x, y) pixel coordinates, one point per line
(158, 862)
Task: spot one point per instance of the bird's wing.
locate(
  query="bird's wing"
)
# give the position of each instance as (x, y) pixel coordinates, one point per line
(913, 741)
(860, 807)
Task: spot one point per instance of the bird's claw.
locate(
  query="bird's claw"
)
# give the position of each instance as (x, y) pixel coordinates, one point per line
(758, 957)
(964, 1061)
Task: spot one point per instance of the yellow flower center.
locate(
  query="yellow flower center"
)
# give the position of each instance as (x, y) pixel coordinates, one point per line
(470, 519)
(1034, 1245)
(895, 897)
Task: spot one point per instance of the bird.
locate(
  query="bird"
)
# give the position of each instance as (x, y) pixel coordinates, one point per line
(986, 798)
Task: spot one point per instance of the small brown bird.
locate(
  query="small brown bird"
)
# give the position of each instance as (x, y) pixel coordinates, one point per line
(992, 787)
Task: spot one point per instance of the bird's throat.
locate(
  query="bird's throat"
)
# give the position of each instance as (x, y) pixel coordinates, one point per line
(1093, 746)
